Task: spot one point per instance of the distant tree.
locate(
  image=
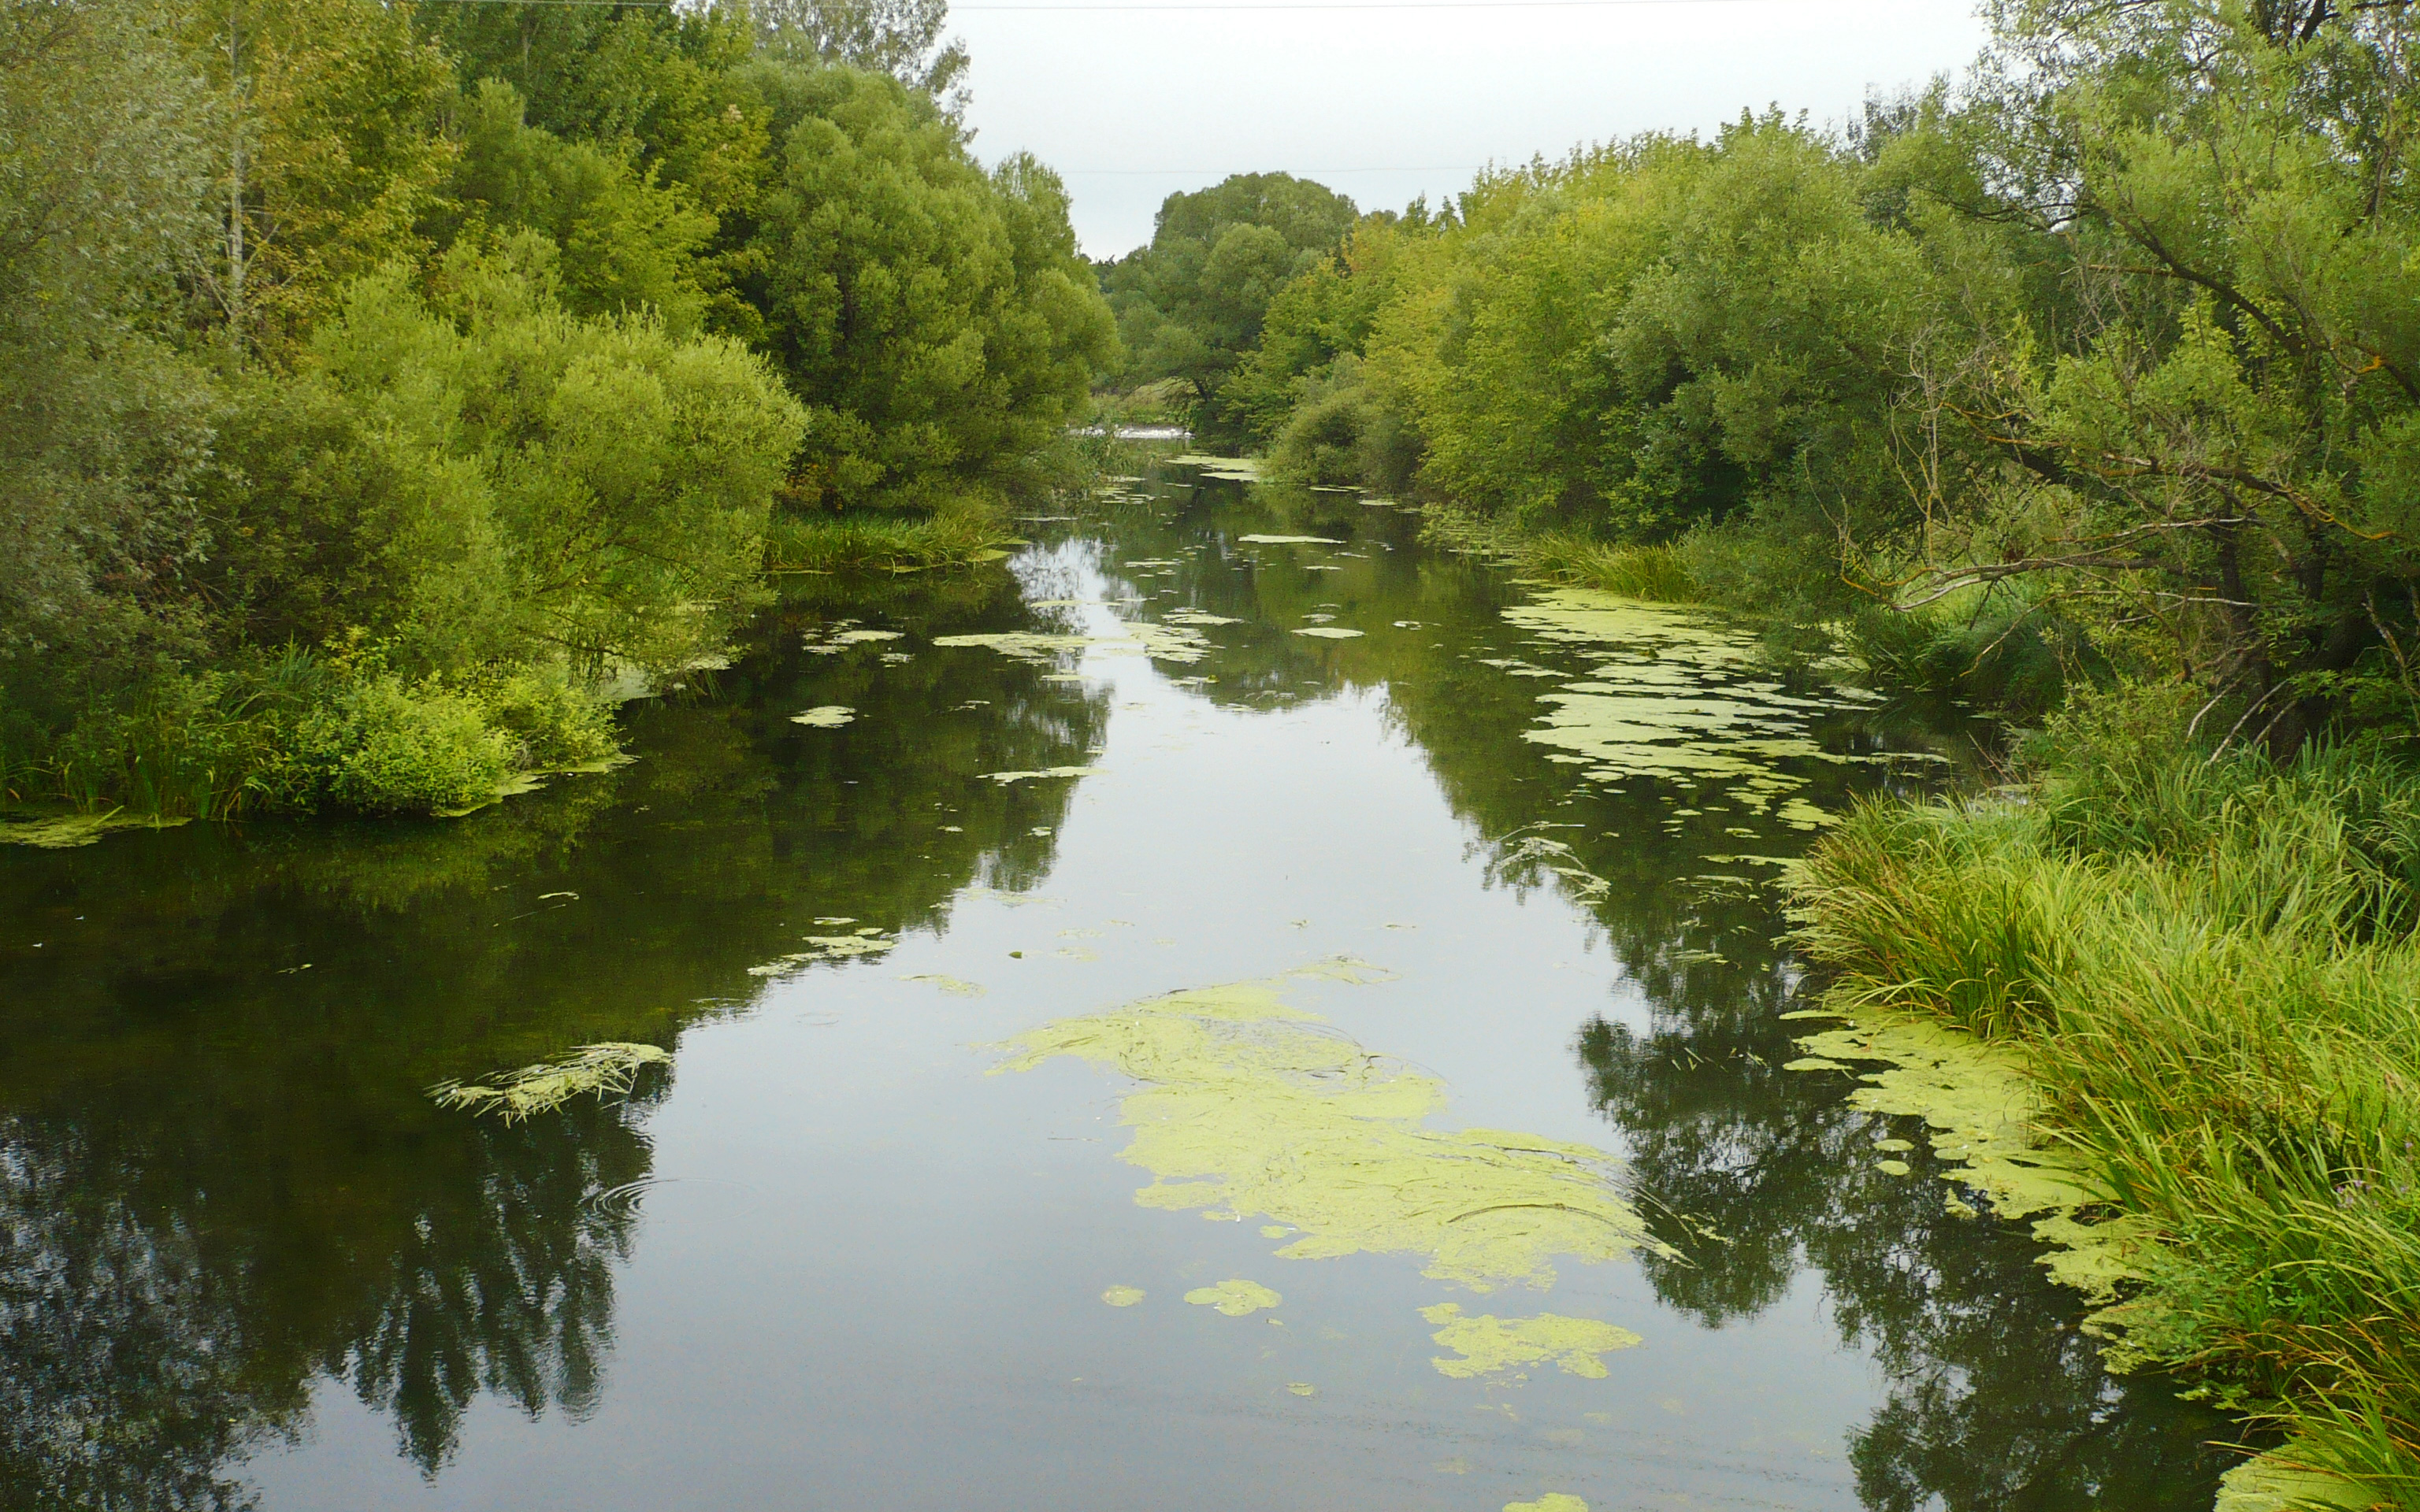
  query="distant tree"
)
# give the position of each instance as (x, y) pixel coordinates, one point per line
(900, 38)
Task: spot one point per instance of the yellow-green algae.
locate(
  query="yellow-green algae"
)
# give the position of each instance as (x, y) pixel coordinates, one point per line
(1004, 779)
(601, 1067)
(1671, 692)
(1551, 1501)
(826, 947)
(1983, 1109)
(1250, 1107)
(1161, 643)
(64, 831)
(825, 716)
(1302, 1388)
(2276, 1482)
(1488, 1345)
(1236, 1298)
(951, 985)
(1121, 1296)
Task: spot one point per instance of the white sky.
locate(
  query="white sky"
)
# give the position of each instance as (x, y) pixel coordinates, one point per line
(1131, 104)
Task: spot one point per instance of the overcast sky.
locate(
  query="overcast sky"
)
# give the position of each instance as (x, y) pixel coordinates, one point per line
(1133, 102)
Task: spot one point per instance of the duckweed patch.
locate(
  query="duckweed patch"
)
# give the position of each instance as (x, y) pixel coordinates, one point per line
(65, 831)
(1004, 779)
(951, 985)
(1982, 1107)
(1161, 643)
(1236, 1298)
(607, 1066)
(1488, 1345)
(826, 947)
(1250, 1107)
(1674, 693)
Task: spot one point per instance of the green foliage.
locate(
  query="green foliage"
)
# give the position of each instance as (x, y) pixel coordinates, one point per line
(936, 318)
(628, 244)
(2210, 967)
(1193, 301)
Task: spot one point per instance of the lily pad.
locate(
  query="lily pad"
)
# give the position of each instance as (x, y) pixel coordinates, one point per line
(825, 716)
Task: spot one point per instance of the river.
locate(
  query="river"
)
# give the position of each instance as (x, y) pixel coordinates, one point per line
(1460, 1171)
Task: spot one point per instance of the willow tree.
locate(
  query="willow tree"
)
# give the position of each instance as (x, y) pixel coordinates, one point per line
(2212, 437)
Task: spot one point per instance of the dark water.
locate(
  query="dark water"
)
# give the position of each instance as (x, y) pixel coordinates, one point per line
(825, 1261)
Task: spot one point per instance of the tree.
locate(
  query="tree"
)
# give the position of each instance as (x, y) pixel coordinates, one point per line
(900, 38)
(937, 319)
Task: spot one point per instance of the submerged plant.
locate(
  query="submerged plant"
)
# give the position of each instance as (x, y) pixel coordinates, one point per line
(607, 1066)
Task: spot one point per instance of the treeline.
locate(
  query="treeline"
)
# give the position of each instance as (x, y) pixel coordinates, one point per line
(380, 381)
(2104, 362)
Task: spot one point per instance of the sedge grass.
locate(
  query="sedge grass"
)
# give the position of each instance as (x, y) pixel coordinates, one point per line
(2210, 967)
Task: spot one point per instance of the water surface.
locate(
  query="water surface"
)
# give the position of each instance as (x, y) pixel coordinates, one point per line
(829, 1259)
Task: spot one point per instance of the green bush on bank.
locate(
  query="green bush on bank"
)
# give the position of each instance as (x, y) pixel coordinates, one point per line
(296, 734)
(2209, 962)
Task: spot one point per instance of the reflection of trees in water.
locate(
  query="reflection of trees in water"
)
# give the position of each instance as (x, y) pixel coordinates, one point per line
(124, 1352)
(222, 1178)
(510, 1287)
(1995, 1400)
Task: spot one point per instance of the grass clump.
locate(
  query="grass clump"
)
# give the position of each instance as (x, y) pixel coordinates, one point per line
(2208, 962)
(1657, 574)
(884, 542)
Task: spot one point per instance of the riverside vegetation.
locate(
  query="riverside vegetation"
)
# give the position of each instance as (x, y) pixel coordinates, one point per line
(382, 384)
(2084, 390)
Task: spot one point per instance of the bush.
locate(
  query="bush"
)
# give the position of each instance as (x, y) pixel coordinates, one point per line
(381, 746)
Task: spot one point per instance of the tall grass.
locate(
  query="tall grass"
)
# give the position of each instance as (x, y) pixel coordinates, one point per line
(1656, 573)
(2209, 962)
(882, 543)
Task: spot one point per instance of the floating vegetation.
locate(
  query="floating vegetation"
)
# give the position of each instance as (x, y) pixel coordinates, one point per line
(951, 985)
(1302, 1388)
(1233, 469)
(1674, 693)
(1556, 857)
(2274, 1482)
(1197, 617)
(1982, 1108)
(1161, 643)
(826, 947)
(1121, 1296)
(1327, 632)
(842, 635)
(825, 716)
(1487, 1344)
(1004, 779)
(1250, 1107)
(1551, 1501)
(602, 1068)
(1236, 1299)
(1288, 540)
(66, 830)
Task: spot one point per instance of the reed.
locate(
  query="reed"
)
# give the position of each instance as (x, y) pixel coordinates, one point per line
(2210, 963)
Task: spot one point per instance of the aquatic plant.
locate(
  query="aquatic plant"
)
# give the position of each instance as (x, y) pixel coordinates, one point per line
(607, 1066)
(1250, 1107)
(2199, 978)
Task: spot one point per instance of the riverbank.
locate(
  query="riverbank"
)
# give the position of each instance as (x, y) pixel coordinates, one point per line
(2207, 965)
